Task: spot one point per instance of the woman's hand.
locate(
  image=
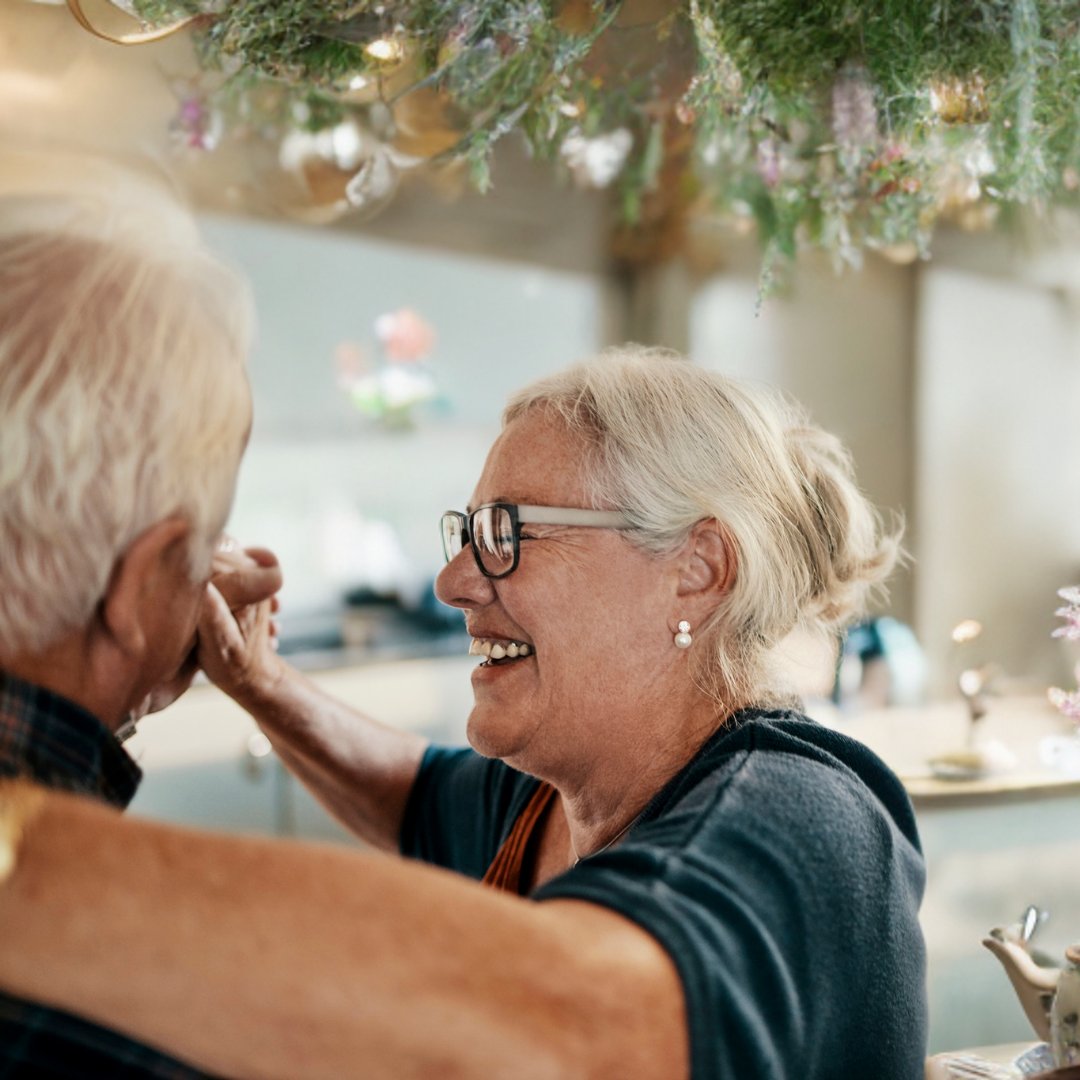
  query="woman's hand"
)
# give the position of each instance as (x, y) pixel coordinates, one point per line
(244, 577)
(237, 648)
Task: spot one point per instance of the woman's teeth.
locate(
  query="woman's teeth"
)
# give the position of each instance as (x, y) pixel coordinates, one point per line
(499, 649)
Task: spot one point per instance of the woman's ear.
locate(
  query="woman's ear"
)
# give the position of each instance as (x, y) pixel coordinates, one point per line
(141, 579)
(708, 561)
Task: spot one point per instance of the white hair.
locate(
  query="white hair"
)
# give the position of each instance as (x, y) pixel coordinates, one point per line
(675, 444)
(123, 396)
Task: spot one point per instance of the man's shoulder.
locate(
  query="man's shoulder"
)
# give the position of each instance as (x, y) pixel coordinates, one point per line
(38, 1041)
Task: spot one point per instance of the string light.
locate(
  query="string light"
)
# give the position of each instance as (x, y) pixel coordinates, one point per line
(385, 49)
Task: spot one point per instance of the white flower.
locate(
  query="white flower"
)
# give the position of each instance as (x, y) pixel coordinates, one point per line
(596, 162)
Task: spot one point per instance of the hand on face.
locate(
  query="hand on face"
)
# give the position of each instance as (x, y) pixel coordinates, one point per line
(243, 578)
(237, 641)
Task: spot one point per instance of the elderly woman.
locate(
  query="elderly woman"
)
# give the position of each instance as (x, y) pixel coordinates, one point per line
(684, 875)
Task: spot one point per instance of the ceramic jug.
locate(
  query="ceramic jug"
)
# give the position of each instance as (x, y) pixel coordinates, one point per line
(1065, 1012)
(1050, 996)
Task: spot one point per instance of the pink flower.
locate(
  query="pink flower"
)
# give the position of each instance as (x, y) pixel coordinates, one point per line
(1070, 613)
(195, 124)
(769, 164)
(1067, 702)
(405, 335)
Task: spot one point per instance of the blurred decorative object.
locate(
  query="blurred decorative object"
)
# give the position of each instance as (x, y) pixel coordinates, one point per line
(340, 169)
(120, 22)
(881, 664)
(979, 756)
(197, 124)
(1062, 752)
(1070, 613)
(405, 335)
(1068, 701)
(1050, 995)
(391, 391)
(1065, 1013)
(1034, 978)
(597, 161)
(967, 1065)
(966, 630)
(840, 126)
(972, 684)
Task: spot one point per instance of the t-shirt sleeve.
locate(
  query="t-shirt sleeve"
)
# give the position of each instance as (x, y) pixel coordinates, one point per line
(459, 809)
(761, 909)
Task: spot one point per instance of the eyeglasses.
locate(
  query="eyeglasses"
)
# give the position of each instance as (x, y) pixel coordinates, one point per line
(494, 531)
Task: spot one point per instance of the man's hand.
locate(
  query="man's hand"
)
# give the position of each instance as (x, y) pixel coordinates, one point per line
(243, 578)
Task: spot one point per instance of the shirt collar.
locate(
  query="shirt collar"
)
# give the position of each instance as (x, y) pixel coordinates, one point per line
(55, 742)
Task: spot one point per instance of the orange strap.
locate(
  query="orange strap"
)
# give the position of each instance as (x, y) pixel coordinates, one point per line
(506, 870)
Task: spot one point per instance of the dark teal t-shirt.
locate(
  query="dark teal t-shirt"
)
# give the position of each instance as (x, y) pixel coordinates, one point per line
(781, 870)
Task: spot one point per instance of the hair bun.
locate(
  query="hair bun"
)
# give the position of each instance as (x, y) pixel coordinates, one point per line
(850, 549)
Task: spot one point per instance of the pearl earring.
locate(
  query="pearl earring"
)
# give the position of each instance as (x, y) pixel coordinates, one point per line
(683, 640)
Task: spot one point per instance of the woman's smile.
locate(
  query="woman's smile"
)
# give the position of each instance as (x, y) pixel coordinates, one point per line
(499, 649)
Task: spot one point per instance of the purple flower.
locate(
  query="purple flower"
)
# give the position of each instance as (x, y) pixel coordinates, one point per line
(1067, 702)
(1070, 613)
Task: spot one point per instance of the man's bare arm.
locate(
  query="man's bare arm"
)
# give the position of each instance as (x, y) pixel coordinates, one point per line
(270, 959)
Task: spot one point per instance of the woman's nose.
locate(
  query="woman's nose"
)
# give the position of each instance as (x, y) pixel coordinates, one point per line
(460, 584)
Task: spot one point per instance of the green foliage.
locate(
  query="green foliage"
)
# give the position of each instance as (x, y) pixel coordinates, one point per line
(839, 123)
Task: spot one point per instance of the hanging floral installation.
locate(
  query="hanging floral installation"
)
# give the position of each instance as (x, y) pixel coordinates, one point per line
(845, 125)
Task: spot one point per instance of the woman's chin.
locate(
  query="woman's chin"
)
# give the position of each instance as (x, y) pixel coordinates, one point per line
(494, 732)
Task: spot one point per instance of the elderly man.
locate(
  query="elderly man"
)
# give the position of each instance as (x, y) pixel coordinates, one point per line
(124, 410)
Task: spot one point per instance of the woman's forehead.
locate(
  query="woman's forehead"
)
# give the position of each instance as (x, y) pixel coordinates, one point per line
(536, 459)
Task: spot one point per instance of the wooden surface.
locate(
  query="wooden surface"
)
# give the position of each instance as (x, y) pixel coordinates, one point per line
(908, 738)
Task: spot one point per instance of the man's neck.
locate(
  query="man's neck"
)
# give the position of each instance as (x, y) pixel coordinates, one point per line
(75, 669)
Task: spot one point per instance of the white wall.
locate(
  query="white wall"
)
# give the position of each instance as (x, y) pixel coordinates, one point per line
(315, 465)
(997, 467)
(957, 386)
(840, 345)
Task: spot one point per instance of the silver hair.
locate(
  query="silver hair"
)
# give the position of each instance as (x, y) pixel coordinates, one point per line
(123, 399)
(674, 444)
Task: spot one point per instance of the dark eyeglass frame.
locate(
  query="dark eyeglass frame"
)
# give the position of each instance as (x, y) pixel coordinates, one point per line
(525, 515)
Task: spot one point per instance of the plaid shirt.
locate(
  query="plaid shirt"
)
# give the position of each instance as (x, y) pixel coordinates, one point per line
(59, 744)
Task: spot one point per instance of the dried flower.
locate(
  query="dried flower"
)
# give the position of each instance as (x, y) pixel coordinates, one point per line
(596, 162)
(769, 165)
(1067, 702)
(1070, 613)
(854, 115)
(195, 125)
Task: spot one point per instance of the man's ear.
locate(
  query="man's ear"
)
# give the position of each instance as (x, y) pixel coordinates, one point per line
(141, 579)
(709, 561)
